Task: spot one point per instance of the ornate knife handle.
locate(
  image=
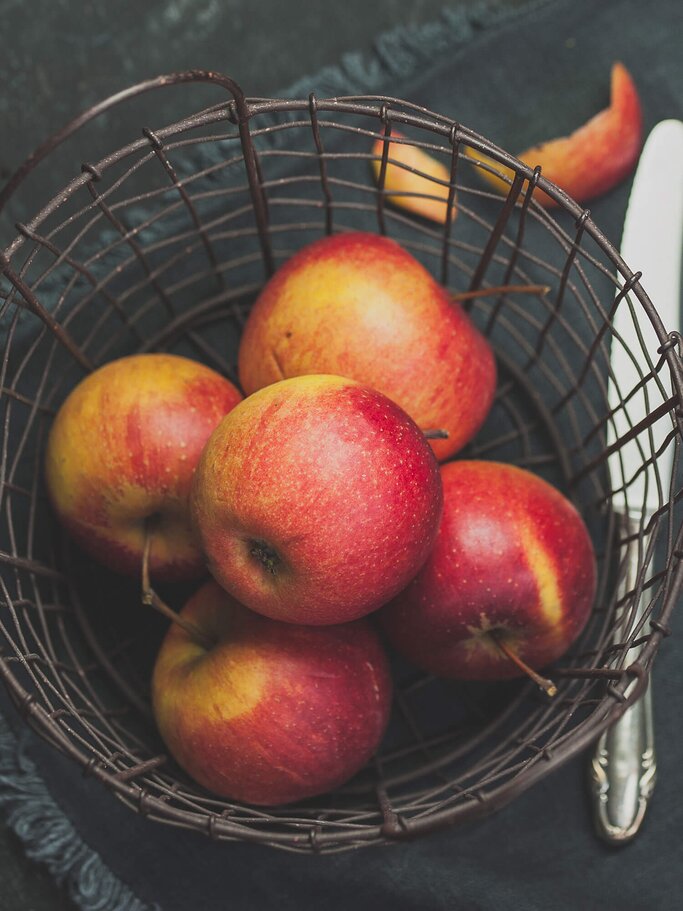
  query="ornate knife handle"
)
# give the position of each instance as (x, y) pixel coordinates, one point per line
(624, 766)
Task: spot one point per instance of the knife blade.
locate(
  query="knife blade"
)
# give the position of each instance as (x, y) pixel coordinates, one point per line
(624, 767)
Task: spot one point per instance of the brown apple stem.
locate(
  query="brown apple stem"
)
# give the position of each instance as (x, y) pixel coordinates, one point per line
(151, 599)
(435, 434)
(500, 289)
(544, 683)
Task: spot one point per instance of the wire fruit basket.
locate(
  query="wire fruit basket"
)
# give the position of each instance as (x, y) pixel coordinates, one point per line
(163, 245)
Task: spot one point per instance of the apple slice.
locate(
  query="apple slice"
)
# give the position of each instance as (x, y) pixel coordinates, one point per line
(412, 175)
(595, 157)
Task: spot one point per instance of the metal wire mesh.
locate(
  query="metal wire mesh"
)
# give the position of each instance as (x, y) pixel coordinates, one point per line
(163, 245)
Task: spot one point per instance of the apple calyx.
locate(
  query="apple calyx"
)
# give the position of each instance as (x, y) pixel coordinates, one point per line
(150, 598)
(543, 683)
(269, 558)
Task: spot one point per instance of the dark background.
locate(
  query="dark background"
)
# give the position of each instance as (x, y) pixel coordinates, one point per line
(60, 56)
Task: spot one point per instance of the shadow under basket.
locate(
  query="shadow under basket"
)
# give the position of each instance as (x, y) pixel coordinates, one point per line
(163, 245)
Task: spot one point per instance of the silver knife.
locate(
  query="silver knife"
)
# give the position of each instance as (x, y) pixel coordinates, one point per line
(624, 765)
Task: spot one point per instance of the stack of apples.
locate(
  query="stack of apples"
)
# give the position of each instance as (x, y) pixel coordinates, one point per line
(314, 499)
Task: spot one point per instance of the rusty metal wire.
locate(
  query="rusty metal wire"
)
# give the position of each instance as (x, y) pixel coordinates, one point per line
(163, 245)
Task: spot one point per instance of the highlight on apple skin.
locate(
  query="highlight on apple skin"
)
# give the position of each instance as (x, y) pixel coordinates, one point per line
(316, 500)
(274, 712)
(595, 157)
(413, 180)
(121, 453)
(359, 305)
(513, 563)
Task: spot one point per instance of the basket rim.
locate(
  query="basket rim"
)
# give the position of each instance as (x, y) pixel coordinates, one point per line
(242, 111)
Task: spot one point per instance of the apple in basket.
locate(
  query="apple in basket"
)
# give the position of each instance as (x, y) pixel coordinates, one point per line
(267, 712)
(120, 458)
(359, 305)
(316, 500)
(510, 581)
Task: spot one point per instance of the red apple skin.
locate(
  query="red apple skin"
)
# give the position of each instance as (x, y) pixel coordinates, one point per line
(274, 712)
(332, 478)
(123, 448)
(359, 305)
(512, 556)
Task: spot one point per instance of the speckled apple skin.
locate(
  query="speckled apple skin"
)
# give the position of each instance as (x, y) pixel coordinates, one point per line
(274, 712)
(359, 305)
(513, 555)
(333, 477)
(123, 447)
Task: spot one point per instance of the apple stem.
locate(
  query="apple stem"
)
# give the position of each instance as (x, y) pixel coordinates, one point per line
(435, 434)
(151, 599)
(500, 289)
(544, 683)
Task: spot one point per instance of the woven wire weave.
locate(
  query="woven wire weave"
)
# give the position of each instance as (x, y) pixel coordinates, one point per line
(162, 246)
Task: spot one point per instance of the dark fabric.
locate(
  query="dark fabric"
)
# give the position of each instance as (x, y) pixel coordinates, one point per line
(551, 67)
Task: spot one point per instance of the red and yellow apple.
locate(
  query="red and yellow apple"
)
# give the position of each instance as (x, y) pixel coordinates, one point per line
(273, 712)
(413, 180)
(595, 157)
(316, 500)
(121, 454)
(359, 305)
(513, 564)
